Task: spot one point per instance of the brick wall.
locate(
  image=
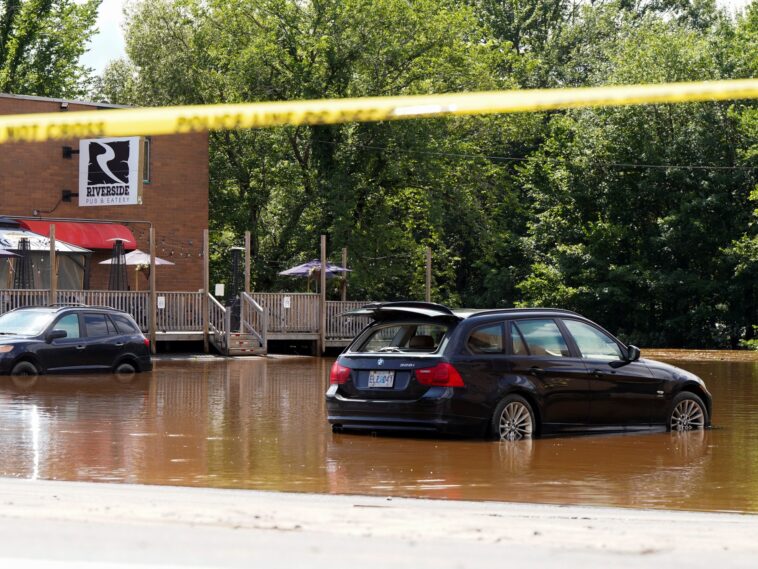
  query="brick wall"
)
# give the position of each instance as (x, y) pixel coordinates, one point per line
(32, 177)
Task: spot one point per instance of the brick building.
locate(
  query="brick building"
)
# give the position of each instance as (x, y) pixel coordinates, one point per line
(41, 181)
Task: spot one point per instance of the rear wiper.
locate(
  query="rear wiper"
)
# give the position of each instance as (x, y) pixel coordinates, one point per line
(390, 349)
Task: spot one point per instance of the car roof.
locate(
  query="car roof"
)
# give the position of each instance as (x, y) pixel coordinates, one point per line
(464, 313)
(409, 309)
(55, 308)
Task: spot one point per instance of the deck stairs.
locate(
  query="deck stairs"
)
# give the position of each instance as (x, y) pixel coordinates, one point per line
(241, 344)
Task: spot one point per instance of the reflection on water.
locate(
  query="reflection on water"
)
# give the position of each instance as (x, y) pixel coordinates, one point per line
(261, 424)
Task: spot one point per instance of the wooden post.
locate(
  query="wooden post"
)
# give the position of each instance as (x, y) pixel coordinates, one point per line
(322, 299)
(153, 295)
(343, 286)
(428, 295)
(247, 262)
(53, 268)
(206, 289)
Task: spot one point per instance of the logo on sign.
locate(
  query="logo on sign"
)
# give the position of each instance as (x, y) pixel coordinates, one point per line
(110, 171)
(380, 362)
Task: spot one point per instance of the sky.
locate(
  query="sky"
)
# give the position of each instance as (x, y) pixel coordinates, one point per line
(108, 43)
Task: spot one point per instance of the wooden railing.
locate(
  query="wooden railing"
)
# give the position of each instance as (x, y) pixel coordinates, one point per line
(253, 318)
(261, 314)
(12, 299)
(135, 303)
(181, 312)
(290, 312)
(218, 322)
(343, 327)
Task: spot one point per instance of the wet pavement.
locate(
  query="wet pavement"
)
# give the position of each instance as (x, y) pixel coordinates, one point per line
(261, 424)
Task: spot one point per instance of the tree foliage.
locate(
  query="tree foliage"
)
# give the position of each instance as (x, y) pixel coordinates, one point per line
(641, 217)
(41, 42)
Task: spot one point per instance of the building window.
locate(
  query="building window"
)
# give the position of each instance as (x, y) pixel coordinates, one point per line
(146, 149)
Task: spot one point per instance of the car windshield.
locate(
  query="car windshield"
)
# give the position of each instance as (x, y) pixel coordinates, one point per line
(25, 322)
(406, 337)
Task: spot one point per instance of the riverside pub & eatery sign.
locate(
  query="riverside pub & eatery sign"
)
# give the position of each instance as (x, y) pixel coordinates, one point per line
(110, 171)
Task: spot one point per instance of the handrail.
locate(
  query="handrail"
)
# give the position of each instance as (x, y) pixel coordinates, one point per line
(247, 320)
(218, 322)
(213, 298)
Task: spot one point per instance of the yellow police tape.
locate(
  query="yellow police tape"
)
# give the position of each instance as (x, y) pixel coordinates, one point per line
(177, 120)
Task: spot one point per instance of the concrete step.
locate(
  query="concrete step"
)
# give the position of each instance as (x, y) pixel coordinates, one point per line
(247, 351)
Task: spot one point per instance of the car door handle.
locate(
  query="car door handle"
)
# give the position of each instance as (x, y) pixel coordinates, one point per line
(119, 344)
(80, 347)
(600, 373)
(538, 371)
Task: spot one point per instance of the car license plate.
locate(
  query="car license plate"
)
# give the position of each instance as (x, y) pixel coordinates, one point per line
(381, 378)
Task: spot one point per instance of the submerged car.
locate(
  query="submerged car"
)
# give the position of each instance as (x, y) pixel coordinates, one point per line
(508, 373)
(67, 338)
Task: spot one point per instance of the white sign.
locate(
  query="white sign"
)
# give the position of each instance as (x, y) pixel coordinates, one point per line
(161, 302)
(219, 289)
(110, 171)
(286, 302)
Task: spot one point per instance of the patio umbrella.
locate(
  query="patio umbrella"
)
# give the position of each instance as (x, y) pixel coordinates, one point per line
(23, 277)
(118, 280)
(312, 268)
(140, 259)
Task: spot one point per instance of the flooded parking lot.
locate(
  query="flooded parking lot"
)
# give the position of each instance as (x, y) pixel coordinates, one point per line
(261, 424)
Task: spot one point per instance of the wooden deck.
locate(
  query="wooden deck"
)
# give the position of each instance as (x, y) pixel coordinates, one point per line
(197, 316)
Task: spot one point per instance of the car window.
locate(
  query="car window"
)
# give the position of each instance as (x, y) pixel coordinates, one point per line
(69, 323)
(124, 325)
(25, 322)
(96, 325)
(543, 337)
(592, 342)
(518, 347)
(405, 337)
(486, 340)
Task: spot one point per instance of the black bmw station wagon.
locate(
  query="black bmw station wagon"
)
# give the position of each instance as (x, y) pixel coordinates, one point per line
(508, 373)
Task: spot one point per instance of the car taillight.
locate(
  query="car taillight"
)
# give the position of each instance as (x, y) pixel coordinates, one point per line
(442, 374)
(339, 374)
(146, 341)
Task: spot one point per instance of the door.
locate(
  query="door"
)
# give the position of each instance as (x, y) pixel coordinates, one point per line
(63, 353)
(623, 395)
(102, 347)
(541, 353)
(485, 369)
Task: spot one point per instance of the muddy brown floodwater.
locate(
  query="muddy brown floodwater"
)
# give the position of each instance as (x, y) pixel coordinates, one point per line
(261, 424)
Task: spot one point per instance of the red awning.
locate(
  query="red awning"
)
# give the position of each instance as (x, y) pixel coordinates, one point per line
(87, 235)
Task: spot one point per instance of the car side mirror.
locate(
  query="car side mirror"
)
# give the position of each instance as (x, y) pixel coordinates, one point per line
(632, 353)
(55, 334)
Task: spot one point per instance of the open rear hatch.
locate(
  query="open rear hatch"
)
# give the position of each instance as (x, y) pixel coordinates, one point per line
(399, 356)
(381, 311)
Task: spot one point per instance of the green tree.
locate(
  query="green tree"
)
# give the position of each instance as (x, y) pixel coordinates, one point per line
(41, 42)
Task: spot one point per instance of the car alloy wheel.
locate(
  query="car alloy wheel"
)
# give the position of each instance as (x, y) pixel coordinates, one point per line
(516, 422)
(687, 415)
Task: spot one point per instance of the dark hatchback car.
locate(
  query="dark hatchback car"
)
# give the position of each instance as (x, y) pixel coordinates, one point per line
(510, 374)
(67, 338)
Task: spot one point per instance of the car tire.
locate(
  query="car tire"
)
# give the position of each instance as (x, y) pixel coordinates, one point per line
(687, 413)
(513, 420)
(125, 368)
(24, 368)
